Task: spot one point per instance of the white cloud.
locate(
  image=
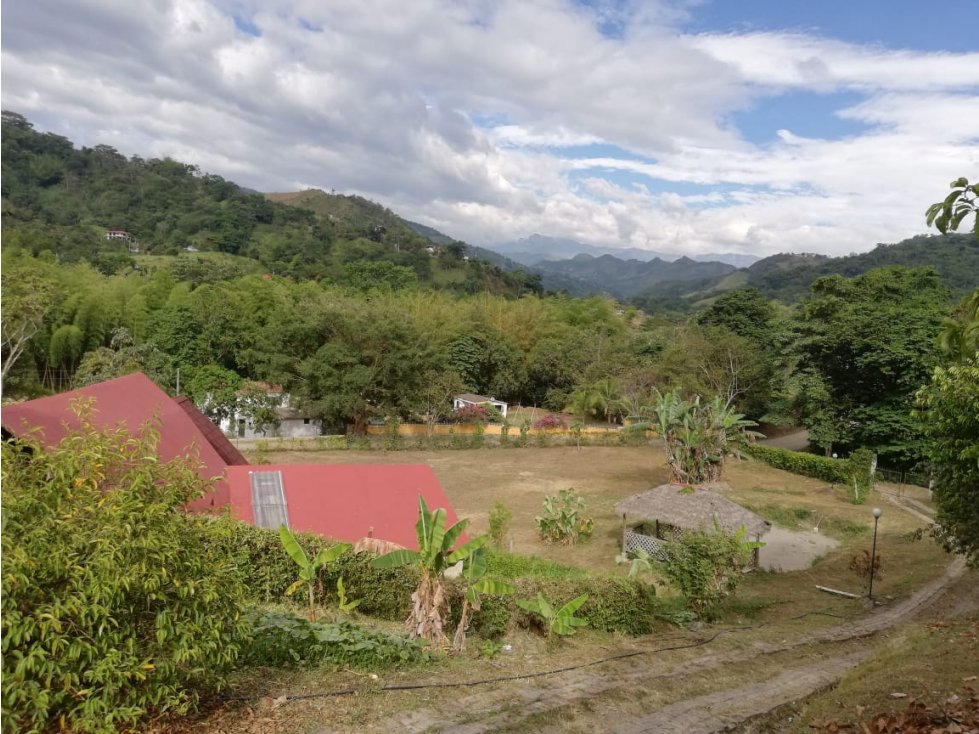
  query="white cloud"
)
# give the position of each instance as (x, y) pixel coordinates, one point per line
(461, 114)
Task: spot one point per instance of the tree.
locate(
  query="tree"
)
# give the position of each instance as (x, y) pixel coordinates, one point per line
(714, 361)
(433, 557)
(869, 344)
(436, 397)
(215, 390)
(948, 412)
(123, 357)
(947, 215)
(259, 408)
(27, 298)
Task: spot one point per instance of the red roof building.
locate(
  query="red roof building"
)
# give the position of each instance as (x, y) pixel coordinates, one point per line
(131, 401)
(340, 501)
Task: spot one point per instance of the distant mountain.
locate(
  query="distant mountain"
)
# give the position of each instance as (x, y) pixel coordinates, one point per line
(787, 277)
(537, 248)
(623, 278)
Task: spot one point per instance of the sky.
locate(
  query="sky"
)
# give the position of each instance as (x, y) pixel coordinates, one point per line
(685, 126)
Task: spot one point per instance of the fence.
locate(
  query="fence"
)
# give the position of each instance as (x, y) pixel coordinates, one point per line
(896, 476)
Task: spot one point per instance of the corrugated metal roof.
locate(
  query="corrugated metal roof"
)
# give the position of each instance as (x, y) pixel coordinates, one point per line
(214, 435)
(348, 501)
(130, 401)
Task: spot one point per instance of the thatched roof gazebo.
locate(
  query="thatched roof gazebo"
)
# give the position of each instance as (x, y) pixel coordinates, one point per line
(668, 510)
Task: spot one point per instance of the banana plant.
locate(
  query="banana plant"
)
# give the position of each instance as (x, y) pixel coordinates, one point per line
(558, 621)
(345, 604)
(434, 555)
(308, 568)
(474, 577)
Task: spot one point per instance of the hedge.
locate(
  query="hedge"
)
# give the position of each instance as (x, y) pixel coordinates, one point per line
(615, 604)
(267, 571)
(809, 465)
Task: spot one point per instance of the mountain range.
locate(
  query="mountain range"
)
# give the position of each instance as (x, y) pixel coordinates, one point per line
(537, 248)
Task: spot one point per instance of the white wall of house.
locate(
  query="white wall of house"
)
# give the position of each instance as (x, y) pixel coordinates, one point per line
(498, 404)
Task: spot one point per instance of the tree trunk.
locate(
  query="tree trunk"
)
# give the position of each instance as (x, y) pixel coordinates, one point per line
(459, 641)
(428, 606)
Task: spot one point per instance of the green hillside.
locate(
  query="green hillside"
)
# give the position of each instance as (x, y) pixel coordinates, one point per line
(787, 277)
(118, 213)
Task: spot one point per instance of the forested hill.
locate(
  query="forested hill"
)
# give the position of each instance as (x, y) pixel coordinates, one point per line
(954, 256)
(788, 277)
(65, 200)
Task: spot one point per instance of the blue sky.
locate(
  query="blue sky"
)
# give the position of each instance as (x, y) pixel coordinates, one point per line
(749, 126)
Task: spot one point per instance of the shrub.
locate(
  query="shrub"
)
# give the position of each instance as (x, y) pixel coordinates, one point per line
(808, 465)
(470, 414)
(284, 640)
(267, 570)
(551, 420)
(499, 524)
(563, 520)
(116, 604)
(707, 566)
(615, 604)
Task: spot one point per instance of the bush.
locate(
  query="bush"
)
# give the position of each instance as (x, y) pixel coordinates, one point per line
(615, 604)
(808, 465)
(551, 420)
(284, 640)
(707, 566)
(116, 604)
(267, 571)
(563, 520)
(471, 414)
(499, 524)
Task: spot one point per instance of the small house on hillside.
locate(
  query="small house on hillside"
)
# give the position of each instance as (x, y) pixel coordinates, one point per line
(664, 513)
(132, 401)
(346, 502)
(468, 399)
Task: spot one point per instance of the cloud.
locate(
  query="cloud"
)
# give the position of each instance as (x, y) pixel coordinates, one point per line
(483, 118)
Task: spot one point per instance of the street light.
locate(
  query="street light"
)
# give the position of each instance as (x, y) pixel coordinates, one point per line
(873, 556)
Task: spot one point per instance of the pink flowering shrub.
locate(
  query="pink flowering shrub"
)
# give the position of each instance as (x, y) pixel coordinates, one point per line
(551, 420)
(470, 414)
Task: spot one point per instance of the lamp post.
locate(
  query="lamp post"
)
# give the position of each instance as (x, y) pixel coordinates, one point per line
(873, 556)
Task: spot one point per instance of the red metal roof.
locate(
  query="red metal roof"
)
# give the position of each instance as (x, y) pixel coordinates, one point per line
(348, 501)
(130, 401)
(214, 435)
